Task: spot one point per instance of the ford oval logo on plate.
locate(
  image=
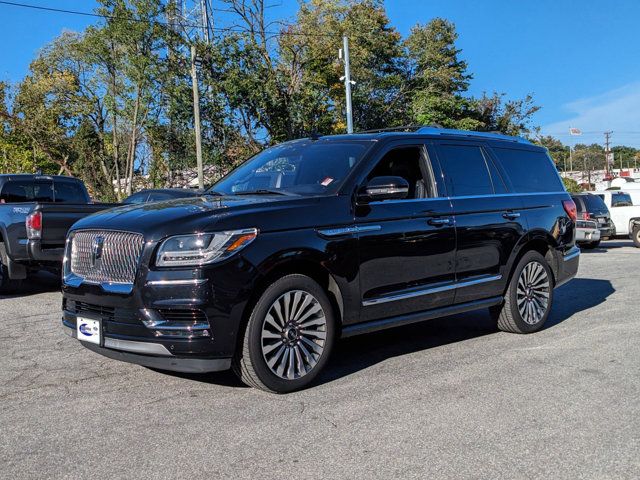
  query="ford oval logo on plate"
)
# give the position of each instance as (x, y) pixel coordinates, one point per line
(88, 330)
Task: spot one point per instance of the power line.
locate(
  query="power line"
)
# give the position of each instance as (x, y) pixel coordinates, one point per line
(98, 15)
(234, 29)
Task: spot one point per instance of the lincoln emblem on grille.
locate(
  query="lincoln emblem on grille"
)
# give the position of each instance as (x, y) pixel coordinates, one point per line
(96, 251)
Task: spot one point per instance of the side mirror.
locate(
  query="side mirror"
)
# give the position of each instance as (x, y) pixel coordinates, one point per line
(383, 188)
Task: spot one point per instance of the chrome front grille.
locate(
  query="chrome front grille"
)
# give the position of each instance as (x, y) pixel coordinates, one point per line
(101, 256)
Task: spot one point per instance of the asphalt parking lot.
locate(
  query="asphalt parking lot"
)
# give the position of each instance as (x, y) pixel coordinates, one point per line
(449, 398)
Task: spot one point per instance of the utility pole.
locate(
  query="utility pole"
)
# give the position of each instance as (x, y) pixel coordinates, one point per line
(607, 136)
(570, 159)
(347, 81)
(194, 19)
(204, 7)
(196, 116)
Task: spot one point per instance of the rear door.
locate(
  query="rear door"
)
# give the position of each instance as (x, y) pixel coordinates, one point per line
(406, 247)
(489, 221)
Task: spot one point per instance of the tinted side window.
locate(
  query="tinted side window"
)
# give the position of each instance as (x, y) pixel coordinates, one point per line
(20, 192)
(529, 171)
(69, 192)
(466, 170)
(404, 162)
(578, 202)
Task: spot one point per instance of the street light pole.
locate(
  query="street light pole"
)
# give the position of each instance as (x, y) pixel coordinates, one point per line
(347, 82)
(196, 116)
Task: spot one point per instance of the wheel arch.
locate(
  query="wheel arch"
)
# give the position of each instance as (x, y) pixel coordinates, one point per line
(311, 263)
(543, 243)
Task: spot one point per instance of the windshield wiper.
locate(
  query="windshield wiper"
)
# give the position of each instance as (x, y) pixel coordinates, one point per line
(264, 191)
(214, 193)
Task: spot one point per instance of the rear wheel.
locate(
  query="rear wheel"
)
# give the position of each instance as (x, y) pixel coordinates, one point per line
(288, 338)
(635, 236)
(527, 302)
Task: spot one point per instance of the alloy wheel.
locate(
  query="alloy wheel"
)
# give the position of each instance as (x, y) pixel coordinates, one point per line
(532, 294)
(294, 334)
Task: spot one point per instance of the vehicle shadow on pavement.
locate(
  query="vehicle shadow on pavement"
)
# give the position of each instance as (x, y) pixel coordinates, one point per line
(354, 354)
(578, 295)
(351, 355)
(608, 245)
(41, 282)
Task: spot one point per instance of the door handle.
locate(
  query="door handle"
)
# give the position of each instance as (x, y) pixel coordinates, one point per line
(510, 215)
(439, 222)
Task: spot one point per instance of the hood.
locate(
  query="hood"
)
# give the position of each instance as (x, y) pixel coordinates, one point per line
(185, 215)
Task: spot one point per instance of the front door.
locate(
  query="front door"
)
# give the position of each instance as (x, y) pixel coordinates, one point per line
(406, 247)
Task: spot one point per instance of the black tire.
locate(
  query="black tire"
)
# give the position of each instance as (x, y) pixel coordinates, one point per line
(508, 315)
(635, 236)
(590, 245)
(6, 284)
(250, 363)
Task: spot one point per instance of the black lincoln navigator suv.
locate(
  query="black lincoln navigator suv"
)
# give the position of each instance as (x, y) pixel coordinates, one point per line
(322, 238)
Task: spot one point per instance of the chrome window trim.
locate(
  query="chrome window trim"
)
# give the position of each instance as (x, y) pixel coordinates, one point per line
(466, 197)
(429, 291)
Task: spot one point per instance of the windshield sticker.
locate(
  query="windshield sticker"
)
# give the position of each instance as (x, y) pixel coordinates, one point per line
(326, 182)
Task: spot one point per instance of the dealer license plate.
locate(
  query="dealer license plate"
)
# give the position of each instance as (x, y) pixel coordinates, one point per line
(88, 330)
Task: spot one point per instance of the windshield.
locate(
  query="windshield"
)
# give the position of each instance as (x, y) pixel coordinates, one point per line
(303, 167)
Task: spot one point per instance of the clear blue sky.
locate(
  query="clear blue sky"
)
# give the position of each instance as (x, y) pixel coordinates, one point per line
(579, 58)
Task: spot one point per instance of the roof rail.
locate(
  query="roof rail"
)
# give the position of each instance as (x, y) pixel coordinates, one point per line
(404, 128)
(469, 133)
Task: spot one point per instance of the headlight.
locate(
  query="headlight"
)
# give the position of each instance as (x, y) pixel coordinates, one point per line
(203, 248)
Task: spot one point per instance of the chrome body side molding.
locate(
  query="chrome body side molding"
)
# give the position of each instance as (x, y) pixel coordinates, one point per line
(429, 291)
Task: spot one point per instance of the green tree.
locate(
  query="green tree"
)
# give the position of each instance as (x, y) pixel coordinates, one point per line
(439, 77)
(557, 150)
(571, 185)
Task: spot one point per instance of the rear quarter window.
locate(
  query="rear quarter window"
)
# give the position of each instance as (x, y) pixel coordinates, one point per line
(530, 171)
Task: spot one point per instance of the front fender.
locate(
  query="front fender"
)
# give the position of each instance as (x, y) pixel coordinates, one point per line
(333, 259)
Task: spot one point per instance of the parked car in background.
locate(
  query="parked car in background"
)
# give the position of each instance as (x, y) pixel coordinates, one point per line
(587, 234)
(592, 208)
(36, 212)
(624, 214)
(160, 194)
(319, 238)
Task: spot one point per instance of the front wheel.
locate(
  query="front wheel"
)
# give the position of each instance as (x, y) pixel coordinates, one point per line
(288, 337)
(635, 236)
(527, 302)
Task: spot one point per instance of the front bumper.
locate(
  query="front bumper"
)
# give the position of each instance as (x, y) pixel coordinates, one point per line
(174, 319)
(153, 355)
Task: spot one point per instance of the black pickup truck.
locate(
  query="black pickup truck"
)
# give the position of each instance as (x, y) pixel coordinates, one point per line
(36, 211)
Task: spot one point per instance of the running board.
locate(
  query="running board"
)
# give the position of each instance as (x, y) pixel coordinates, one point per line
(382, 324)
